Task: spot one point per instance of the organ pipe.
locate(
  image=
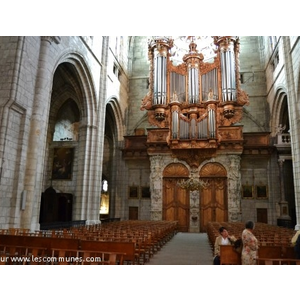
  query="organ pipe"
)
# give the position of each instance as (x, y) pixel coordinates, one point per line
(160, 81)
(210, 83)
(175, 92)
(228, 74)
(175, 124)
(202, 129)
(177, 85)
(193, 85)
(212, 123)
(184, 129)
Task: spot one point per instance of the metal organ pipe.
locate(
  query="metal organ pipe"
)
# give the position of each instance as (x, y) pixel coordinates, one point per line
(193, 85)
(177, 84)
(210, 81)
(160, 82)
(202, 129)
(212, 123)
(228, 75)
(175, 124)
(184, 129)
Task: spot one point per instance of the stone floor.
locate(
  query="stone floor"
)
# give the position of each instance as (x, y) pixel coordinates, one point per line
(185, 249)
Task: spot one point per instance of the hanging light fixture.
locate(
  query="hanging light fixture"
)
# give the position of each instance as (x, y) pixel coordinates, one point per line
(192, 184)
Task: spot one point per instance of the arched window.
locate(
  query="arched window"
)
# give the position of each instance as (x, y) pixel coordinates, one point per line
(67, 122)
(104, 202)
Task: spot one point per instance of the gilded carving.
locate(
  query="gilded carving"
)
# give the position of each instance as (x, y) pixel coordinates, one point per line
(193, 157)
(180, 69)
(147, 102)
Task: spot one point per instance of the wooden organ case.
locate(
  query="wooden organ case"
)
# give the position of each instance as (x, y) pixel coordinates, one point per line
(193, 108)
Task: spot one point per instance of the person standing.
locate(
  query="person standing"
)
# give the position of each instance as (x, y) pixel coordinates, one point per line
(250, 245)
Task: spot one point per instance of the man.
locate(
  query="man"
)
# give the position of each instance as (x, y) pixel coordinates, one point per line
(223, 239)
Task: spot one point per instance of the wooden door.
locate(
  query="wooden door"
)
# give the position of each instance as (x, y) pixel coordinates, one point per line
(175, 199)
(133, 213)
(213, 197)
(262, 215)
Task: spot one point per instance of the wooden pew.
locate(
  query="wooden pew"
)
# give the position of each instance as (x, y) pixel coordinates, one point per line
(269, 251)
(278, 261)
(43, 242)
(92, 257)
(276, 255)
(126, 248)
(228, 256)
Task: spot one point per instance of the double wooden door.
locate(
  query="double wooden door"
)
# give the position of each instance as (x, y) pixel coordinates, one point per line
(213, 206)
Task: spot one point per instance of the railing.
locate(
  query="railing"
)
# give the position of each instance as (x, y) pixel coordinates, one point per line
(283, 139)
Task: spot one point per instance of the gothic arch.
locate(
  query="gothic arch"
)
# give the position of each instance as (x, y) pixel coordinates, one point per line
(82, 82)
(113, 135)
(279, 113)
(113, 106)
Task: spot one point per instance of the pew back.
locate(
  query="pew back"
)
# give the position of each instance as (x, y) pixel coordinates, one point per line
(228, 256)
(127, 248)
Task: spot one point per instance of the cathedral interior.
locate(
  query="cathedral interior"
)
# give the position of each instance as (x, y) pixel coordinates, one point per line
(195, 129)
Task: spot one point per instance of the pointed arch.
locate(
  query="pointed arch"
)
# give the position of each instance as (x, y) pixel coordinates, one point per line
(279, 111)
(112, 104)
(81, 80)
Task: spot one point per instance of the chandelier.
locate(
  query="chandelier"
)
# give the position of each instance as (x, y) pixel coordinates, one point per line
(192, 184)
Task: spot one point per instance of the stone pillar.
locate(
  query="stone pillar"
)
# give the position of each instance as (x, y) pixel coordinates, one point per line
(284, 218)
(294, 121)
(37, 137)
(234, 188)
(194, 211)
(156, 179)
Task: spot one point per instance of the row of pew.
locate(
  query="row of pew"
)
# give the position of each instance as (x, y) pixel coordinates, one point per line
(274, 243)
(122, 242)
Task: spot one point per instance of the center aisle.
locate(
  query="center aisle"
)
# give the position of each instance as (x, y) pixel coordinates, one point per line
(184, 249)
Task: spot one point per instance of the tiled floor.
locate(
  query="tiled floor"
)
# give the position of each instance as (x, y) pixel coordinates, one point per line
(185, 249)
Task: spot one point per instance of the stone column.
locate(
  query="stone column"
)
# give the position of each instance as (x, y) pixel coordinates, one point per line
(156, 166)
(37, 137)
(294, 121)
(284, 218)
(234, 188)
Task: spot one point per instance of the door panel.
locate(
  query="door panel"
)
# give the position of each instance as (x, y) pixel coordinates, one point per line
(213, 202)
(175, 204)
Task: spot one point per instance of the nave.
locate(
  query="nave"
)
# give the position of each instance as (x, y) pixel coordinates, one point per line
(138, 243)
(185, 249)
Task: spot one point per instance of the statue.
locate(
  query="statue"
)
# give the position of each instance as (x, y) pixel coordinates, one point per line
(210, 95)
(280, 129)
(174, 97)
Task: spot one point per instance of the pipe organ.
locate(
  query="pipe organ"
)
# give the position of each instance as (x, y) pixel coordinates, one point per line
(195, 101)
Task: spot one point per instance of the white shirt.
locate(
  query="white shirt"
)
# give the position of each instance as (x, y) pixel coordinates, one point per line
(225, 241)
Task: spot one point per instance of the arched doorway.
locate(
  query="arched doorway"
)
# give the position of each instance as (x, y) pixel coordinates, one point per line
(213, 196)
(175, 199)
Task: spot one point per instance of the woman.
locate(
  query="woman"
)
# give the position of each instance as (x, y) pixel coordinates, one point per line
(223, 239)
(250, 245)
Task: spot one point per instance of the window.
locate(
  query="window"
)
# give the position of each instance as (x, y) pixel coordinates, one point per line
(67, 122)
